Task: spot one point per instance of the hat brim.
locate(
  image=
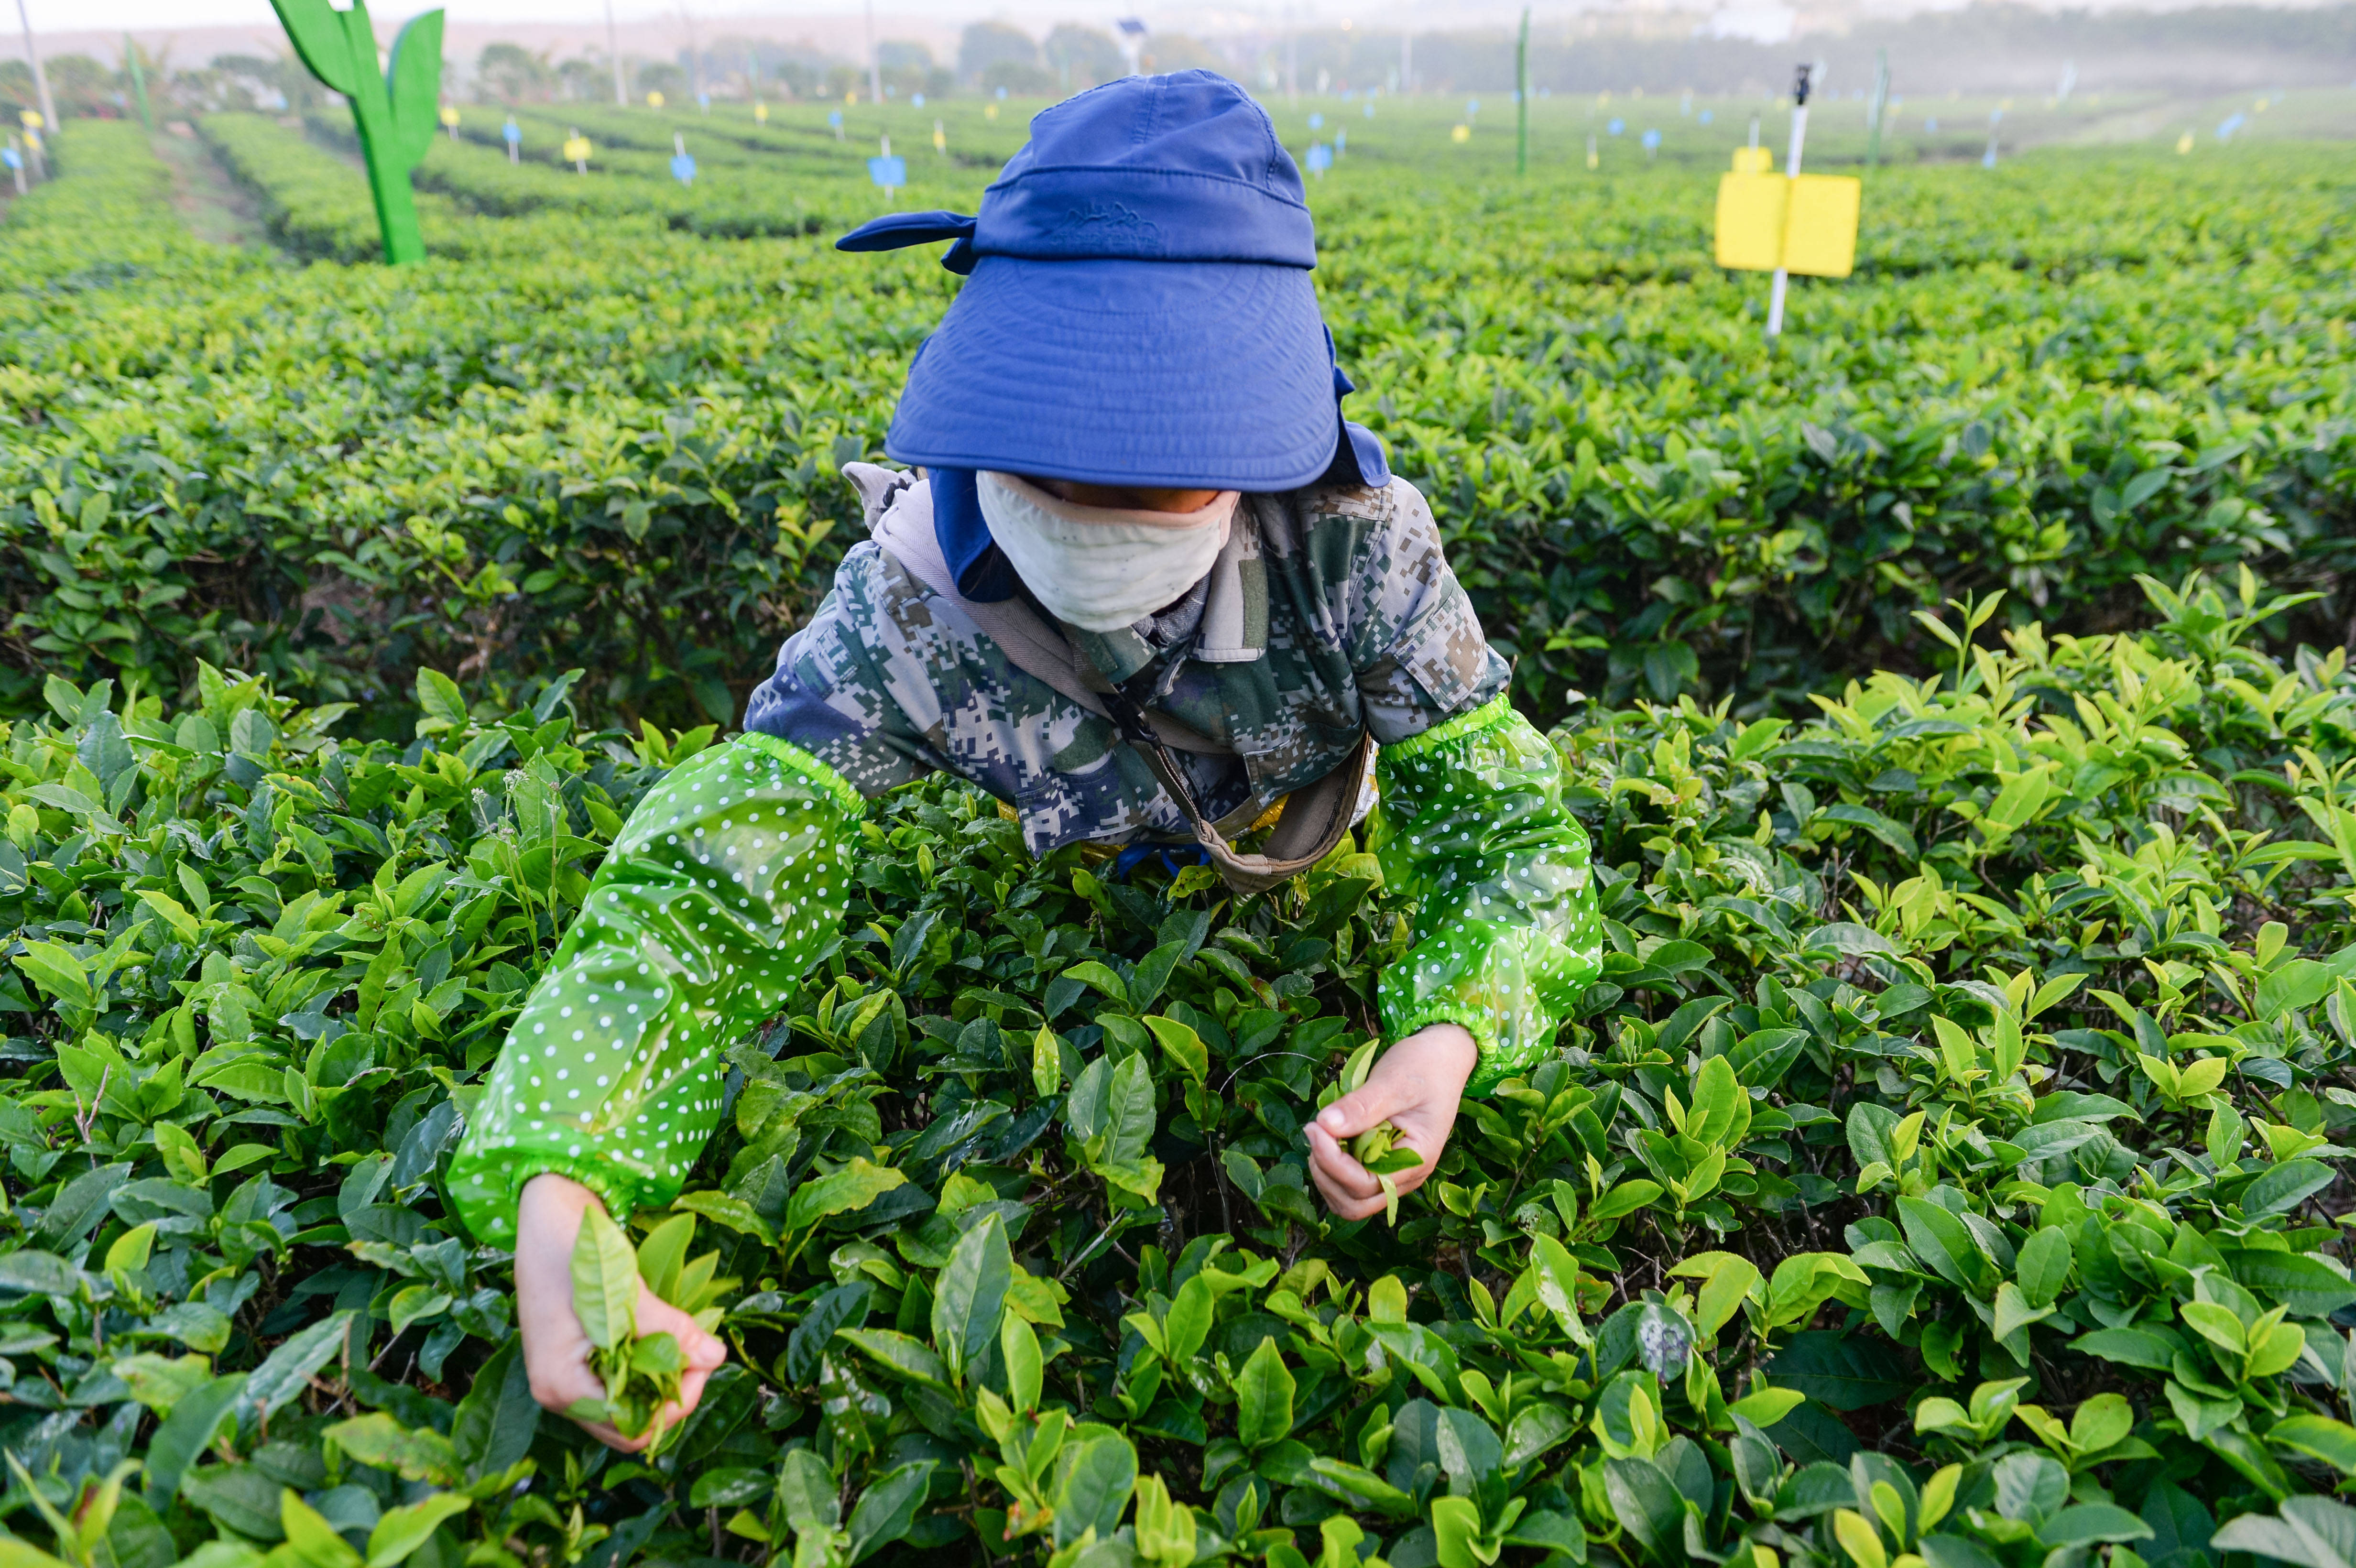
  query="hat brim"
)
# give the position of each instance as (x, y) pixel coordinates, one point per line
(1200, 374)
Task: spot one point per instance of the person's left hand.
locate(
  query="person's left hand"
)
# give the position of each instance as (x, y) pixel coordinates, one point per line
(1415, 1085)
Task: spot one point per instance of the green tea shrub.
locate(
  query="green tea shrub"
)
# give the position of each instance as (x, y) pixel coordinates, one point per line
(311, 201)
(579, 436)
(602, 513)
(102, 184)
(720, 202)
(1943, 1169)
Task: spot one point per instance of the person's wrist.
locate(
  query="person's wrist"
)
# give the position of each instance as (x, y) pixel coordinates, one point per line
(1451, 1047)
(552, 1186)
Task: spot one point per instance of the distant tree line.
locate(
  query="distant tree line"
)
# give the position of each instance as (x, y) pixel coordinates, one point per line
(993, 55)
(1984, 47)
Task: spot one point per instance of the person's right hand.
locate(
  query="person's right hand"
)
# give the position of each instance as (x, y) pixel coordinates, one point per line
(556, 1352)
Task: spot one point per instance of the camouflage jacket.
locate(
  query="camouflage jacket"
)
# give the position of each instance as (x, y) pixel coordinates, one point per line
(1353, 623)
(730, 878)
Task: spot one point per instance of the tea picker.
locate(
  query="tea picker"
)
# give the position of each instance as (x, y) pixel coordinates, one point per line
(1134, 575)
(1790, 222)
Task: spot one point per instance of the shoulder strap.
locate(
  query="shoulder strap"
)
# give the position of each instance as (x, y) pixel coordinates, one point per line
(1315, 815)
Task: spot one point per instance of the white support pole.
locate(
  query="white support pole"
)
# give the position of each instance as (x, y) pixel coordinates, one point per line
(614, 50)
(40, 77)
(874, 61)
(1790, 167)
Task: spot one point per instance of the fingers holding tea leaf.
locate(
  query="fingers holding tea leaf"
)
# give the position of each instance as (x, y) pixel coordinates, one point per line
(657, 1357)
(650, 1358)
(1348, 1189)
(1381, 1153)
(604, 1281)
(1385, 1170)
(1374, 1143)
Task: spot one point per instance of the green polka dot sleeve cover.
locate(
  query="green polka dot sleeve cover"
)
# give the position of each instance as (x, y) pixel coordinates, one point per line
(1507, 934)
(723, 885)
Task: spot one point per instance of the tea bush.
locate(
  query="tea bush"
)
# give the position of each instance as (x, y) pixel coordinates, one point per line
(309, 201)
(580, 436)
(719, 201)
(1942, 1171)
(557, 500)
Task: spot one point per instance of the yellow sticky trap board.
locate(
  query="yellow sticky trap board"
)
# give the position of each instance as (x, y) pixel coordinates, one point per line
(1751, 222)
(1767, 221)
(1820, 226)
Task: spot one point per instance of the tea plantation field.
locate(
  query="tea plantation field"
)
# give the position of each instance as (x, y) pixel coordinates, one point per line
(1942, 1175)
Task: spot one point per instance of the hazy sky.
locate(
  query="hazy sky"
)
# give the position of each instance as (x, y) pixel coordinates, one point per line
(81, 14)
(85, 14)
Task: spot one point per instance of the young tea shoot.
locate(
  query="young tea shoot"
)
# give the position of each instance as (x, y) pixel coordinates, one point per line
(640, 1373)
(1376, 1148)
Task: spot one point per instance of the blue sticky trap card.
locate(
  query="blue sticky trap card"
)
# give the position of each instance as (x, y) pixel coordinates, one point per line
(1652, 139)
(1317, 121)
(512, 133)
(834, 117)
(1615, 126)
(890, 173)
(682, 168)
(1321, 157)
(11, 157)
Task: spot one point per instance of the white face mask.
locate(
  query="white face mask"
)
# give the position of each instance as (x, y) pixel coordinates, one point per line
(1101, 567)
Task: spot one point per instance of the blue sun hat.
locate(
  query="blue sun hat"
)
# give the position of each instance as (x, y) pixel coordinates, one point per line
(1138, 311)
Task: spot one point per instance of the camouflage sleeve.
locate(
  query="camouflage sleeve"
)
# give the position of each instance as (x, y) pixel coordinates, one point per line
(1419, 650)
(855, 687)
(1507, 932)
